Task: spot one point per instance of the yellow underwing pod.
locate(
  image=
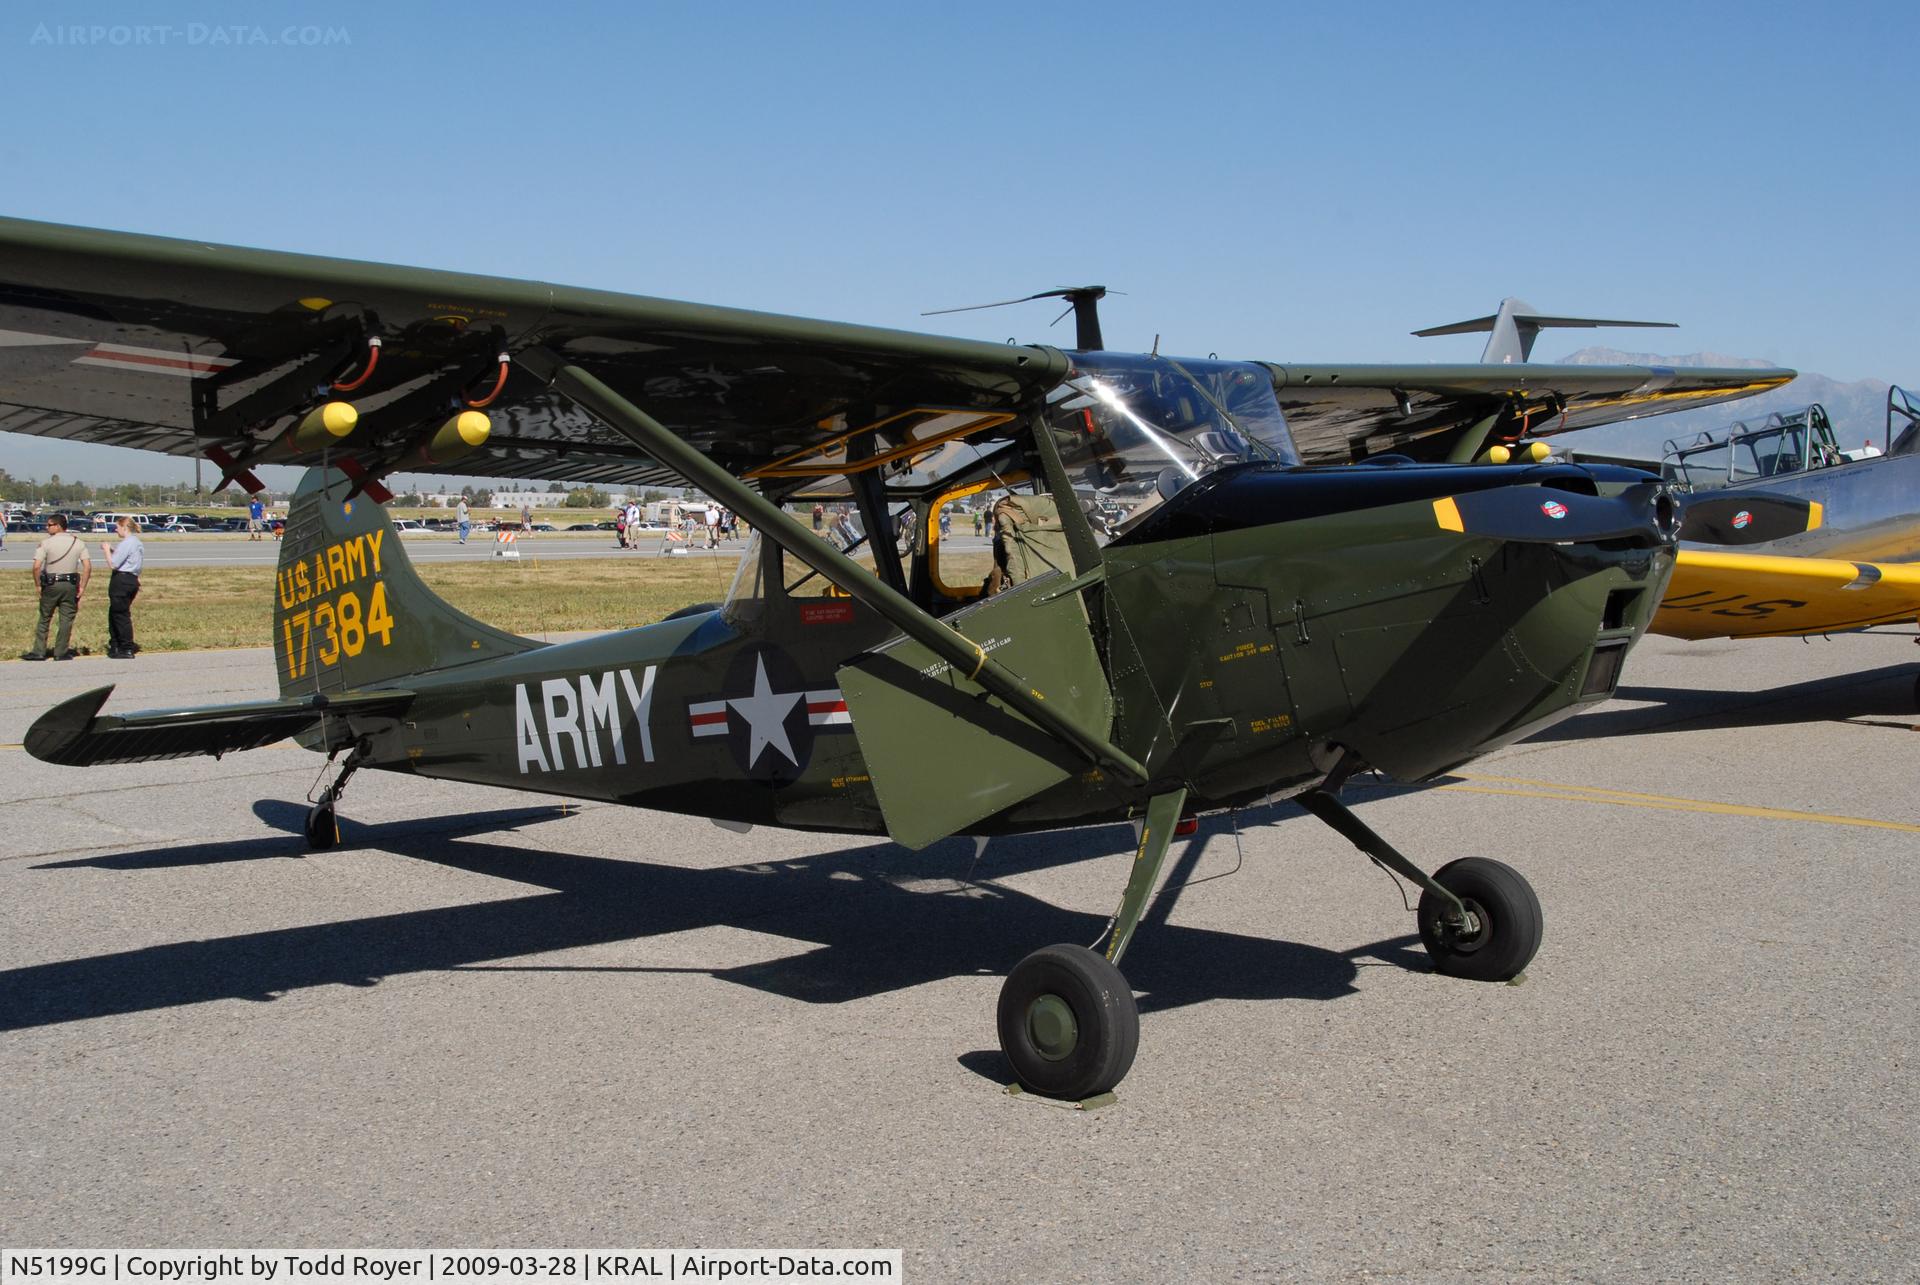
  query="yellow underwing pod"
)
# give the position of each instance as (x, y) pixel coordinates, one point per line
(324, 425)
(459, 436)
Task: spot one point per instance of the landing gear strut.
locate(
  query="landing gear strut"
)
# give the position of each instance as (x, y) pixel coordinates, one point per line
(1479, 919)
(323, 827)
(1068, 1021)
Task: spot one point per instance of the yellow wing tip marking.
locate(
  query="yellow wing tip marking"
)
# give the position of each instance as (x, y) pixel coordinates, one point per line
(1447, 514)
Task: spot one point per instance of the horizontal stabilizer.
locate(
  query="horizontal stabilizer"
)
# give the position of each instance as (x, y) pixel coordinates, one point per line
(74, 733)
(1516, 325)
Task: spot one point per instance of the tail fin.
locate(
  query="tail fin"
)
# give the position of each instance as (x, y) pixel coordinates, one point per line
(1517, 325)
(349, 611)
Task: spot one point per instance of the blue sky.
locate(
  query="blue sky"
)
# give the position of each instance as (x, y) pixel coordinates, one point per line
(1273, 181)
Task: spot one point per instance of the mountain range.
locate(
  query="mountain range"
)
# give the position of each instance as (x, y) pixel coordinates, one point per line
(1858, 409)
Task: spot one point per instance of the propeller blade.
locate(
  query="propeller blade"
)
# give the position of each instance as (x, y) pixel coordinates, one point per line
(1534, 514)
(1747, 517)
(1004, 303)
(1065, 292)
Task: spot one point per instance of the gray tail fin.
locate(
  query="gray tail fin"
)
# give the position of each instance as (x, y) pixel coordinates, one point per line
(349, 611)
(1516, 325)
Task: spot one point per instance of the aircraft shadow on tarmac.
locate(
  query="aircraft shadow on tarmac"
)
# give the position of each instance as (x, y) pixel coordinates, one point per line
(1874, 697)
(876, 918)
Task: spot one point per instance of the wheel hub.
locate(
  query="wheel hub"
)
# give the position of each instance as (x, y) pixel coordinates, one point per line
(1469, 933)
(1052, 1027)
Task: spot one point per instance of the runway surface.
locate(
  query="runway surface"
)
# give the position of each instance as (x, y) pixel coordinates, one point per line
(489, 1020)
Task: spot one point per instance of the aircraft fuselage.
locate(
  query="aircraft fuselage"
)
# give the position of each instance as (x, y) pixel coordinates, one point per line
(1249, 633)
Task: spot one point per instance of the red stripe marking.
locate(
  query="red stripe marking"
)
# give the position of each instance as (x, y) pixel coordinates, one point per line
(141, 359)
(826, 707)
(706, 720)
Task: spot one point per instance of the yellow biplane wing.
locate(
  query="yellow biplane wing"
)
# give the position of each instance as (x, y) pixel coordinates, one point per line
(1752, 595)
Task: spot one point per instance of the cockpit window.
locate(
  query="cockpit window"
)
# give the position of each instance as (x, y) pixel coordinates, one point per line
(1136, 431)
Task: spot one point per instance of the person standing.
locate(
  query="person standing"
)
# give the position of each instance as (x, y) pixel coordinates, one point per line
(61, 569)
(713, 525)
(256, 515)
(526, 517)
(464, 518)
(632, 514)
(123, 586)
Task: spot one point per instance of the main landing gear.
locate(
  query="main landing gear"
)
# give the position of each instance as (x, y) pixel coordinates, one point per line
(323, 827)
(1068, 1022)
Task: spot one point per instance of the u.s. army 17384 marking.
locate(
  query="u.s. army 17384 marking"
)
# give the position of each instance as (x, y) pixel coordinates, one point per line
(338, 616)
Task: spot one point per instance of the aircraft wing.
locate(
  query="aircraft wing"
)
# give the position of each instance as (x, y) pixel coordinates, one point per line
(1344, 413)
(180, 346)
(1715, 594)
(76, 734)
(227, 353)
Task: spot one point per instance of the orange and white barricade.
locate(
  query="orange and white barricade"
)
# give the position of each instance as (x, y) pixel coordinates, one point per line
(506, 544)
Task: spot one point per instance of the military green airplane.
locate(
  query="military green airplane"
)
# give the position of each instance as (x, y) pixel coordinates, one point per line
(1206, 603)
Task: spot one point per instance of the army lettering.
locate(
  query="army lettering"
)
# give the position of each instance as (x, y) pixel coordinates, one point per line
(338, 614)
(575, 713)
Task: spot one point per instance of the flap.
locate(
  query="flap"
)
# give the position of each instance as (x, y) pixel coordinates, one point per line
(944, 754)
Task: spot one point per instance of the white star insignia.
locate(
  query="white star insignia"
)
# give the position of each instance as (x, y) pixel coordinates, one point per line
(766, 714)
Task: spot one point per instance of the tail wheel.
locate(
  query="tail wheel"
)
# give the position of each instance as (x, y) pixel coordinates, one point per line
(1068, 1023)
(1506, 922)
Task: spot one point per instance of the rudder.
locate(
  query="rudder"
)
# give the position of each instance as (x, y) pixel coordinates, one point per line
(349, 610)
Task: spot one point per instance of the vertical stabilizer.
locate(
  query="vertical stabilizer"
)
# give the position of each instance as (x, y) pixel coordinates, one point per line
(1516, 325)
(349, 610)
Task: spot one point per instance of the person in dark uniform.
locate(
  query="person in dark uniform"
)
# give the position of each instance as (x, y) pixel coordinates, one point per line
(123, 586)
(61, 570)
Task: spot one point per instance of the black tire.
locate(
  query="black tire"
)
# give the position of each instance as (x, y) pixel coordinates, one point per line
(1511, 923)
(323, 828)
(1096, 1053)
(697, 609)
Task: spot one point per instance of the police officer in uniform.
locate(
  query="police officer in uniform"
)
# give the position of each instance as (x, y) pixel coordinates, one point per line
(61, 569)
(122, 587)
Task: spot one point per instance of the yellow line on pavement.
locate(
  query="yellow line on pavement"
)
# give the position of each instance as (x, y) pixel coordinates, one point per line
(1521, 787)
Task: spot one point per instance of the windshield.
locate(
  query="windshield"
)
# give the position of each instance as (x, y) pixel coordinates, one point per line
(1135, 431)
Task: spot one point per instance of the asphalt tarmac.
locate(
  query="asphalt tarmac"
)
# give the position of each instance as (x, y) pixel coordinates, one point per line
(493, 1020)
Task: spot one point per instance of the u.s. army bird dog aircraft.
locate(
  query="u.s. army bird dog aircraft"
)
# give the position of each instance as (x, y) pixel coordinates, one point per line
(1208, 603)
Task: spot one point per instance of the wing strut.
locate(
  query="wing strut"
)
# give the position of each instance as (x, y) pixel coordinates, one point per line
(963, 654)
